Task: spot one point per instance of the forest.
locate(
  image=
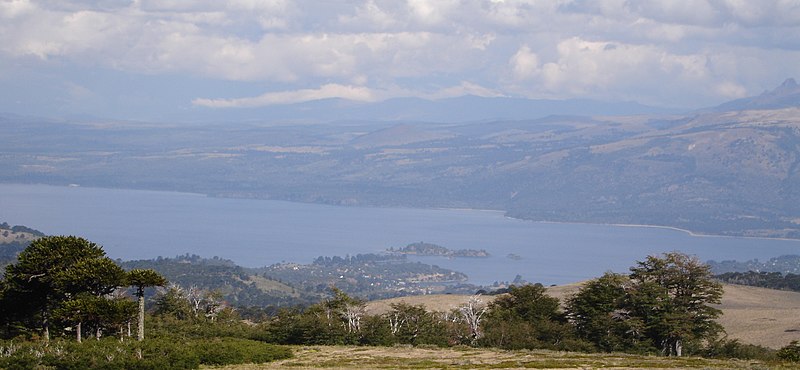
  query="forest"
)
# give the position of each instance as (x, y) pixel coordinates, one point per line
(65, 304)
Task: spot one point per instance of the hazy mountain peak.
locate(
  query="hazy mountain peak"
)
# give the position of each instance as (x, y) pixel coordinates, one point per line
(789, 86)
(784, 96)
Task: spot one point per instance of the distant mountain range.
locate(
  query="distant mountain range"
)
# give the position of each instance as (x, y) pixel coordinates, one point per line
(732, 169)
(459, 109)
(471, 109)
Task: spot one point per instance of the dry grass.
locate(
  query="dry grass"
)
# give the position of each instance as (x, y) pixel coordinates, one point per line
(761, 316)
(266, 285)
(766, 317)
(340, 357)
(752, 315)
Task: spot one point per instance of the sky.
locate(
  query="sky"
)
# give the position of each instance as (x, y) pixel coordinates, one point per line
(151, 59)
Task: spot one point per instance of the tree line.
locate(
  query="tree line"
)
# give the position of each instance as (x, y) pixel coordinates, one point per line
(763, 279)
(664, 306)
(66, 286)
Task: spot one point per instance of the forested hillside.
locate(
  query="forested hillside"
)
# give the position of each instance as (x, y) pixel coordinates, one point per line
(13, 239)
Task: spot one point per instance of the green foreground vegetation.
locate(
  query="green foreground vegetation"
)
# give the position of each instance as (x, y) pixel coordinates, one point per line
(62, 290)
(461, 357)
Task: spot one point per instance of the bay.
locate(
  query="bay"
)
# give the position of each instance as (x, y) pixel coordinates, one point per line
(137, 224)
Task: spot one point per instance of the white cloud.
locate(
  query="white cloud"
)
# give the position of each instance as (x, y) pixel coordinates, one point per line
(465, 88)
(15, 8)
(607, 70)
(357, 93)
(678, 52)
(370, 14)
(730, 90)
(692, 12)
(431, 11)
(350, 92)
(525, 63)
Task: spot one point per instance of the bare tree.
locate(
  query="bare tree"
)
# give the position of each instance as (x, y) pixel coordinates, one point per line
(352, 312)
(396, 321)
(195, 296)
(472, 312)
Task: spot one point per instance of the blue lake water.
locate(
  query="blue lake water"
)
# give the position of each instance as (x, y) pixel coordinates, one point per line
(135, 224)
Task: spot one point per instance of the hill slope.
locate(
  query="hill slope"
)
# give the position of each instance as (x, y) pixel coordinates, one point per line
(752, 315)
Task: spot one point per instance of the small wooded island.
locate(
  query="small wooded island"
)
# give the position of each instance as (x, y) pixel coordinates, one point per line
(430, 249)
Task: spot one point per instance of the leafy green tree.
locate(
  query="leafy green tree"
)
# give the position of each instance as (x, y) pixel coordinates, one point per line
(336, 320)
(526, 317)
(141, 279)
(596, 311)
(52, 270)
(171, 302)
(672, 297)
(413, 324)
(375, 332)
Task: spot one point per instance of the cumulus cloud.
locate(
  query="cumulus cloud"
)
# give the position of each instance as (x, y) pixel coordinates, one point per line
(525, 63)
(660, 51)
(15, 8)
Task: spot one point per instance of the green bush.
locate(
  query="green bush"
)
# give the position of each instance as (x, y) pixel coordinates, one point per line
(166, 326)
(725, 348)
(227, 351)
(790, 352)
(159, 353)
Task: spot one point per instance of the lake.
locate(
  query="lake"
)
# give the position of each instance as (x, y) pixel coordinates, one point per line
(136, 224)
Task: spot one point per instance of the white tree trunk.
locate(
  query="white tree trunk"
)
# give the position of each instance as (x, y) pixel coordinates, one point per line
(472, 313)
(140, 331)
(45, 326)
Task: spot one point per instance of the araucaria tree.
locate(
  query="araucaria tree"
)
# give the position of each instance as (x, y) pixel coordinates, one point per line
(55, 270)
(142, 279)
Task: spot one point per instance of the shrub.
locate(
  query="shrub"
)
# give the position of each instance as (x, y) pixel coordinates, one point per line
(725, 348)
(791, 352)
(160, 353)
(227, 351)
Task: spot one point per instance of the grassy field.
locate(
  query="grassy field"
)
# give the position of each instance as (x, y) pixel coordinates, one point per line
(341, 357)
(752, 315)
(766, 317)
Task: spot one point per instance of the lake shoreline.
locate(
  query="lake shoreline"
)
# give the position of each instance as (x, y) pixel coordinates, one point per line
(504, 213)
